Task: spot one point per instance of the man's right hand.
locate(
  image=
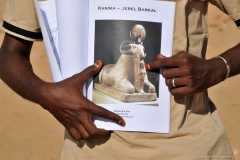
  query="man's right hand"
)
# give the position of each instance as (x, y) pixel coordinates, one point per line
(66, 102)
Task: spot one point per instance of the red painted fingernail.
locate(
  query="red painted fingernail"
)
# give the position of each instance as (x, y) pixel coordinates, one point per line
(98, 63)
(147, 66)
(121, 123)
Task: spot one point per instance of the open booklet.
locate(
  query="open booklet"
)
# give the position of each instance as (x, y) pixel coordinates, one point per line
(125, 35)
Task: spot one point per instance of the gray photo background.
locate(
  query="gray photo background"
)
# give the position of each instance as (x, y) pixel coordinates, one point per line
(109, 34)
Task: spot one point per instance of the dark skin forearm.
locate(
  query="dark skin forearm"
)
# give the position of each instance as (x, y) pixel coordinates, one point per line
(232, 56)
(64, 100)
(193, 74)
(14, 61)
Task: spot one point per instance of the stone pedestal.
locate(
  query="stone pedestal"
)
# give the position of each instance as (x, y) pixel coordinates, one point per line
(124, 97)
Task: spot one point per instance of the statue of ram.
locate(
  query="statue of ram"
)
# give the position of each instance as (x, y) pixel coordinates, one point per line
(129, 73)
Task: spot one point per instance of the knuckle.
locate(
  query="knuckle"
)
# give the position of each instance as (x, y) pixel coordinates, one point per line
(163, 62)
(193, 89)
(80, 117)
(83, 134)
(93, 132)
(186, 71)
(179, 54)
(164, 73)
(76, 137)
(86, 136)
(185, 60)
(104, 113)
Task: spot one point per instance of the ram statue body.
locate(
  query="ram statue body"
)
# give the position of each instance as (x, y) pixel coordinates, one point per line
(129, 73)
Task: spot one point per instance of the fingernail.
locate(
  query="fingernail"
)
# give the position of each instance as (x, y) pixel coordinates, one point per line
(121, 123)
(147, 66)
(98, 63)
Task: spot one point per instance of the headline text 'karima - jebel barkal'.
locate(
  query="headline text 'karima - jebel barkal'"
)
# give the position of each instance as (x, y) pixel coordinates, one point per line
(127, 9)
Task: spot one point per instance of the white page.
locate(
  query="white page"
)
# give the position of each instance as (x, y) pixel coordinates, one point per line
(46, 11)
(73, 26)
(151, 116)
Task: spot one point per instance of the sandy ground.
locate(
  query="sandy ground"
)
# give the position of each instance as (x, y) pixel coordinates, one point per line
(27, 132)
(223, 35)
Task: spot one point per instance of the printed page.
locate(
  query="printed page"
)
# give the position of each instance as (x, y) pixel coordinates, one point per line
(46, 11)
(126, 35)
(72, 16)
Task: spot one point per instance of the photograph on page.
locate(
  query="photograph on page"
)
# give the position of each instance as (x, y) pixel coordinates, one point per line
(124, 46)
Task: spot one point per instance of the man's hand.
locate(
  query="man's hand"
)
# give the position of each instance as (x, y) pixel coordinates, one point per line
(66, 102)
(191, 74)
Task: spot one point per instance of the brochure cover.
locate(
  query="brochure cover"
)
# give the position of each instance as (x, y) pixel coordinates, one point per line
(125, 35)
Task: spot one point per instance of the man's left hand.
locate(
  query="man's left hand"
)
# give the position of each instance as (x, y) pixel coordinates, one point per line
(184, 73)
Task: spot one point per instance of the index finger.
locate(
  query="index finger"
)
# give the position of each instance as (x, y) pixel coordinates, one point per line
(102, 112)
(165, 62)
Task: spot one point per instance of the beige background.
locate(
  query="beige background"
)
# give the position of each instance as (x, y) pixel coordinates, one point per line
(27, 132)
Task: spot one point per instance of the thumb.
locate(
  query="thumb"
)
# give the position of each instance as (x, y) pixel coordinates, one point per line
(89, 72)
